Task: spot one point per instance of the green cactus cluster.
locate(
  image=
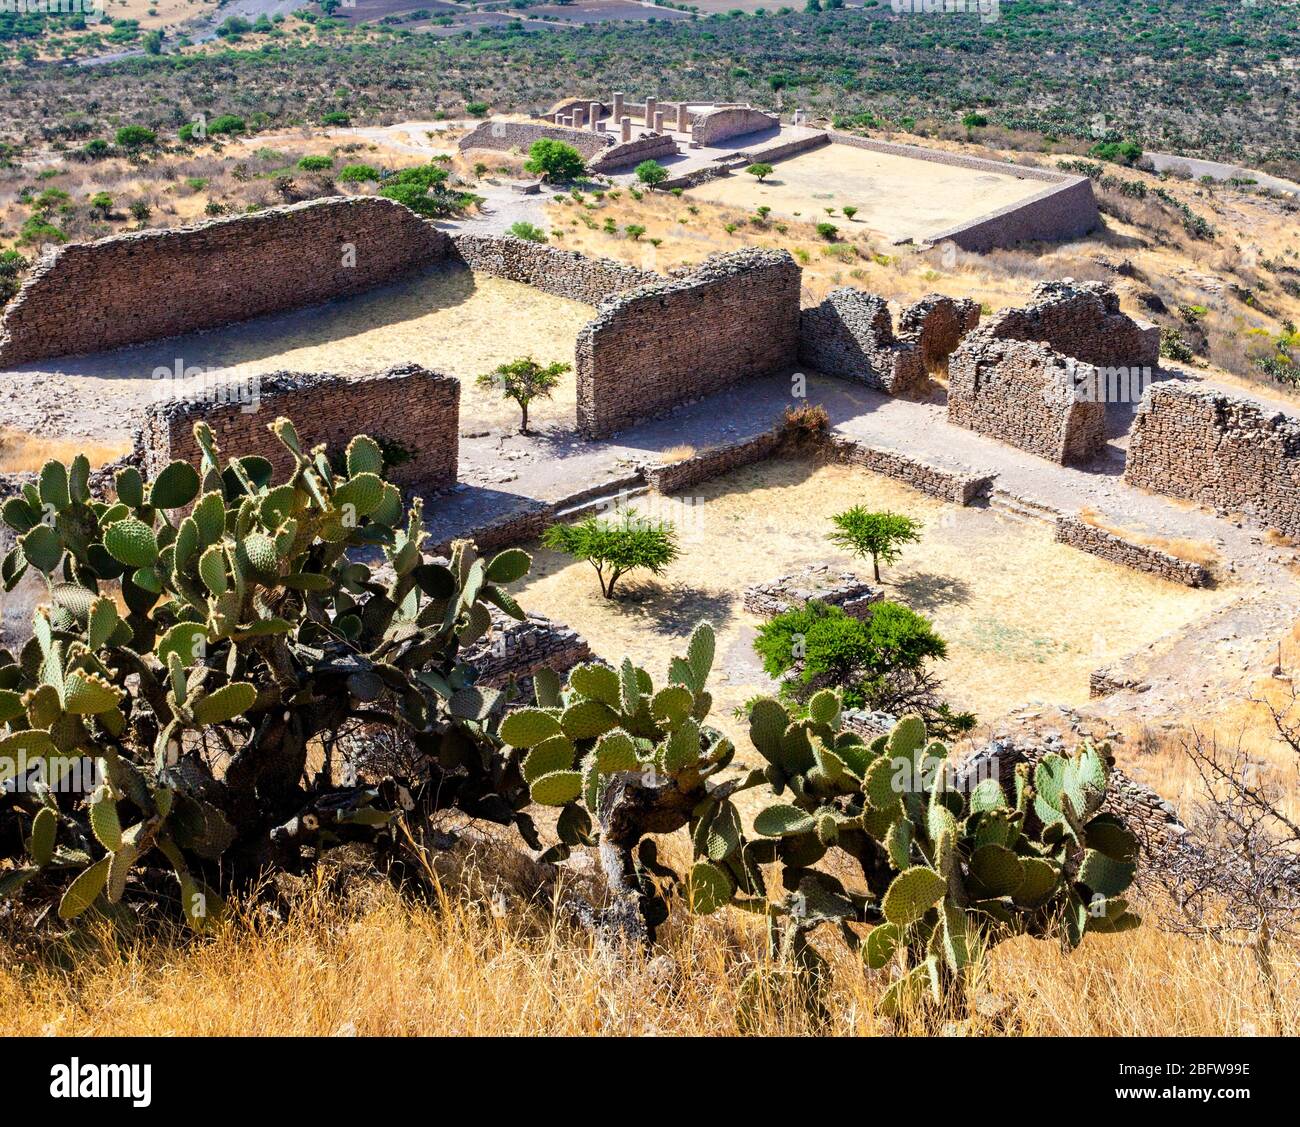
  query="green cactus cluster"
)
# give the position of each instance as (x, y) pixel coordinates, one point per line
(178, 720)
(947, 869)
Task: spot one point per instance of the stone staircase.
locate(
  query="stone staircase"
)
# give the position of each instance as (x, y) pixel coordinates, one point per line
(1023, 509)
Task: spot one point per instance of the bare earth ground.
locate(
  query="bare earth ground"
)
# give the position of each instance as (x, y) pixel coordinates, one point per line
(897, 197)
(451, 321)
(1026, 619)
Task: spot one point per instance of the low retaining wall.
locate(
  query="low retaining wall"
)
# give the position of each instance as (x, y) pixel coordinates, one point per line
(505, 136)
(520, 649)
(657, 346)
(816, 582)
(626, 154)
(1230, 453)
(409, 406)
(675, 476)
(1064, 209)
(126, 289)
(1140, 557)
(948, 485)
(564, 273)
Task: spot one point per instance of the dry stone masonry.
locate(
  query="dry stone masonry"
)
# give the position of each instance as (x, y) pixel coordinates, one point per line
(409, 408)
(654, 347)
(938, 324)
(948, 485)
(850, 334)
(125, 289)
(1140, 557)
(564, 273)
(1230, 453)
(508, 136)
(519, 649)
(820, 582)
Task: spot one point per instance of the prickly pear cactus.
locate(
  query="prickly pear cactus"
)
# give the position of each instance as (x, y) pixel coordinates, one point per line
(202, 630)
(624, 761)
(946, 871)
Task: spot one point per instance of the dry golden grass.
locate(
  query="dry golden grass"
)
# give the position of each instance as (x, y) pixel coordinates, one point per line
(1194, 551)
(21, 451)
(372, 963)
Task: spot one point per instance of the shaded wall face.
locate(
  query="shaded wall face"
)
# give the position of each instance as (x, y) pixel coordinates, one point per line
(1222, 451)
(408, 408)
(650, 349)
(126, 289)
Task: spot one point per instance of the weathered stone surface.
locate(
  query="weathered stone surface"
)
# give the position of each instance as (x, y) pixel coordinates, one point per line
(816, 581)
(409, 406)
(564, 273)
(1230, 453)
(1141, 557)
(519, 649)
(125, 289)
(505, 136)
(850, 334)
(1014, 391)
(711, 126)
(674, 476)
(937, 324)
(949, 485)
(654, 347)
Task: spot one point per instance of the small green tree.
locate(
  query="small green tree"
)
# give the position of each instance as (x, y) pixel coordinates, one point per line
(529, 232)
(634, 231)
(135, 137)
(615, 547)
(879, 536)
(828, 231)
(760, 170)
(849, 211)
(101, 205)
(140, 210)
(651, 173)
(554, 160)
(523, 381)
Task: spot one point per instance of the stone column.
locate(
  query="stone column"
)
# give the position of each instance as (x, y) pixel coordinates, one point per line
(659, 121)
(625, 129)
(578, 115)
(594, 108)
(683, 119)
(649, 113)
(618, 105)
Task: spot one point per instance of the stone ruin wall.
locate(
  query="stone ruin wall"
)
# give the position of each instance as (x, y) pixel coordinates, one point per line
(816, 582)
(126, 289)
(563, 273)
(1012, 390)
(711, 126)
(657, 346)
(628, 153)
(956, 486)
(1140, 557)
(674, 476)
(1013, 379)
(1227, 452)
(520, 649)
(1083, 320)
(506, 136)
(850, 334)
(408, 405)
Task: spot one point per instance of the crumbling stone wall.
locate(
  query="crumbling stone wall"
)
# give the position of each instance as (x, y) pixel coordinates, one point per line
(850, 334)
(948, 485)
(815, 582)
(938, 324)
(625, 154)
(1228, 452)
(519, 649)
(712, 126)
(505, 136)
(1141, 557)
(654, 347)
(1083, 320)
(1016, 392)
(408, 406)
(564, 273)
(125, 289)
(673, 476)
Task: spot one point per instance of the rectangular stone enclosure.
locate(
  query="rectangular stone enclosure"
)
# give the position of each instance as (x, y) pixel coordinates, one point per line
(406, 408)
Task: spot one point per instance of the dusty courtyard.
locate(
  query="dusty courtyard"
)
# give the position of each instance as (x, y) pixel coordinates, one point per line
(1026, 619)
(452, 321)
(896, 197)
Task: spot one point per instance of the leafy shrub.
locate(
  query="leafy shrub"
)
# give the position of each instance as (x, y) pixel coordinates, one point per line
(358, 174)
(135, 137)
(828, 231)
(316, 163)
(529, 232)
(615, 547)
(651, 173)
(554, 160)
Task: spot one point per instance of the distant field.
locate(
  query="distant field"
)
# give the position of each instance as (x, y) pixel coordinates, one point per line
(896, 197)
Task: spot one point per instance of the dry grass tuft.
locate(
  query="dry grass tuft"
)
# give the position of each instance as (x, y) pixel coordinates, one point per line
(1194, 551)
(20, 451)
